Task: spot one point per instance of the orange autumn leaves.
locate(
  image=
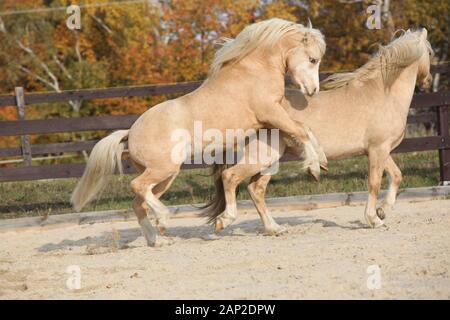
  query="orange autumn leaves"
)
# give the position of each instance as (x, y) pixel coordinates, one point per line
(170, 41)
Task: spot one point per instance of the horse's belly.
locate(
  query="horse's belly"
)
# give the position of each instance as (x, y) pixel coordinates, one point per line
(343, 148)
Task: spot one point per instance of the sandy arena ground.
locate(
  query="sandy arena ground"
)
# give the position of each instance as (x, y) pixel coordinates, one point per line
(325, 254)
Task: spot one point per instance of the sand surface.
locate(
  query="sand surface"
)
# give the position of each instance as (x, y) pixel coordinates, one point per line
(327, 253)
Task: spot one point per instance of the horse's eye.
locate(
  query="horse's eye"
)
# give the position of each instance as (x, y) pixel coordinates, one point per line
(313, 61)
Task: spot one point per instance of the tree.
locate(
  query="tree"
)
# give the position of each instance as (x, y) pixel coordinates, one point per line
(174, 40)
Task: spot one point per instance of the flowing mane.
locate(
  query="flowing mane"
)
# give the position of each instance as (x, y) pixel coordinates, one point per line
(261, 35)
(389, 59)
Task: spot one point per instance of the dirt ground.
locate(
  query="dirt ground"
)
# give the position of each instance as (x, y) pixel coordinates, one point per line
(327, 253)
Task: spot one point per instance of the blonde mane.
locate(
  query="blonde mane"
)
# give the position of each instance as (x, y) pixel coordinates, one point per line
(261, 35)
(390, 60)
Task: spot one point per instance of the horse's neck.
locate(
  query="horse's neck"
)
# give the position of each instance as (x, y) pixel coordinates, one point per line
(402, 89)
(266, 63)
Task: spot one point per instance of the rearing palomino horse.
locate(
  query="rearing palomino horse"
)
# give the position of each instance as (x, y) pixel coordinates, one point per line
(243, 91)
(364, 112)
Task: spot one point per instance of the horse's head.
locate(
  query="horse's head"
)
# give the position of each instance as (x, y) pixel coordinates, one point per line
(296, 48)
(424, 77)
(303, 58)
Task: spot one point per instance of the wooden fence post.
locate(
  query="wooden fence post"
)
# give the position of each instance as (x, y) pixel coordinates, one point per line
(444, 154)
(25, 141)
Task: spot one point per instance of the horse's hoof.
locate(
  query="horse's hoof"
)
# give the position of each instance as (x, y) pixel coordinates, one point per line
(223, 221)
(381, 214)
(322, 159)
(161, 223)
(218, 225)
(315, 172)
(161, 242)
(276, 231)
(162, 230)
(377, 223)
(374, 222)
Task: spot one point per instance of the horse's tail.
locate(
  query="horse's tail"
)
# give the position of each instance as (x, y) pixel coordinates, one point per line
(218, 203)
(105, 158)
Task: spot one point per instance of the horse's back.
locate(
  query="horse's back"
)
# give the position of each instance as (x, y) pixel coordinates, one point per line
(339, 120)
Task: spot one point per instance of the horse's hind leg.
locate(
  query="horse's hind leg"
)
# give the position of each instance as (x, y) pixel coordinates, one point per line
(149, 232)
(395, 178)
(144, 186)
(158, 191)
(257, 190)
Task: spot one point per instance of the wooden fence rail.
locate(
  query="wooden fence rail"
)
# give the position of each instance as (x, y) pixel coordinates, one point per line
(438, 102)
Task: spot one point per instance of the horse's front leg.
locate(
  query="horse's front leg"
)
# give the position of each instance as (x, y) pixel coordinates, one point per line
(277, 117)
(395, 178)
(377, 161)
(321, 154)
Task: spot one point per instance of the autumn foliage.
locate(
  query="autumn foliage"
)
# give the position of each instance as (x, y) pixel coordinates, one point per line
(164, 41)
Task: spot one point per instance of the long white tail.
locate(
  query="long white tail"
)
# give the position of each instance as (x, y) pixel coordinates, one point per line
(105, 158)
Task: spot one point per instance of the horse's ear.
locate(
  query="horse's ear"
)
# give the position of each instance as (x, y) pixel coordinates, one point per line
(424, 34)
(305, 38)
(309, 24)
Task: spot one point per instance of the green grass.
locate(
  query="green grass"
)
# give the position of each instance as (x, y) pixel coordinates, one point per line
(31, 198)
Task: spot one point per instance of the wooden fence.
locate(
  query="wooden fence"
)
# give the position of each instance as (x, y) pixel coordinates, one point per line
(438, 102)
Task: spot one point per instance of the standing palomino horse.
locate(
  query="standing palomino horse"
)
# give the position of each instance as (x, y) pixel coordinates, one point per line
(243, 91)
(364, 112)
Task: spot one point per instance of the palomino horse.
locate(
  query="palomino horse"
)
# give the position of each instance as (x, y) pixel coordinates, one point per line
(365, 112)
(243, 91)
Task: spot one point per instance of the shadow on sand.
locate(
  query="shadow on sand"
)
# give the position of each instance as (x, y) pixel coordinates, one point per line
(121, 239)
